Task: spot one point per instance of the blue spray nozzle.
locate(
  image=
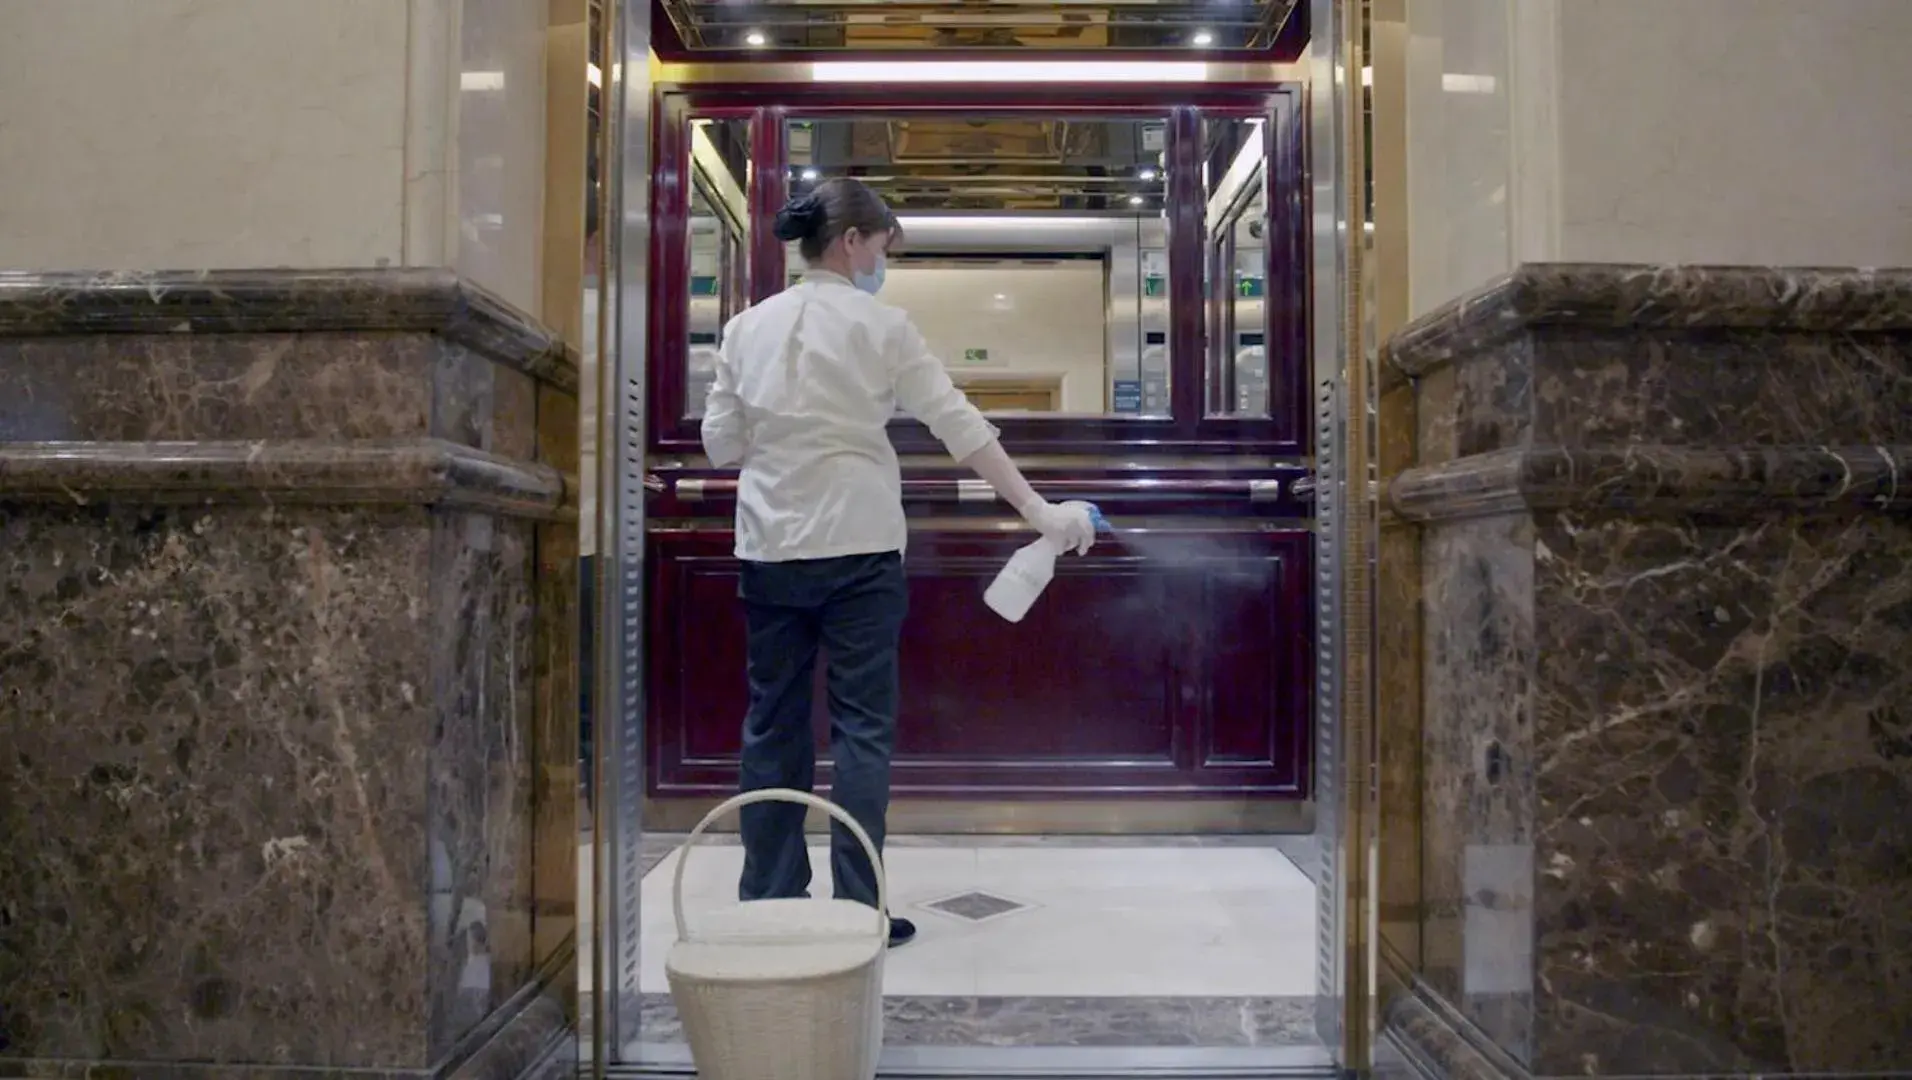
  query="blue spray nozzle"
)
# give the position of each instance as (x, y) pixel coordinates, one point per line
(1101, 523)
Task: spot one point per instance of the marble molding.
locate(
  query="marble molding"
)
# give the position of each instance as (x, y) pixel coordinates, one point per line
(287, 665)
(1665, 660)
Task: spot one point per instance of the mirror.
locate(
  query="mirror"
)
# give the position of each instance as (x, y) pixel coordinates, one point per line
(1236, 157)
(718, 268)
(1035, 254)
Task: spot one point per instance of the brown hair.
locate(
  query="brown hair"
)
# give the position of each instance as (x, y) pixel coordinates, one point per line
(831, 209)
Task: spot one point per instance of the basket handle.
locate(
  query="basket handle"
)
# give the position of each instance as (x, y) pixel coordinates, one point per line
(751, 798)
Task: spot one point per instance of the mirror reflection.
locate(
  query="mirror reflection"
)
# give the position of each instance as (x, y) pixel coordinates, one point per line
(1235, 155)
(1035, 250)
(719, 248)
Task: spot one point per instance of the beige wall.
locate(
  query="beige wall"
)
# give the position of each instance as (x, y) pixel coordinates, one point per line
(1736, 131)
(1704, 131)
(1034, 321)
(189, 133)
(266, 133)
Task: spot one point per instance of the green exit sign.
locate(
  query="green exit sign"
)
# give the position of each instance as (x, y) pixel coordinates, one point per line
(975, 356)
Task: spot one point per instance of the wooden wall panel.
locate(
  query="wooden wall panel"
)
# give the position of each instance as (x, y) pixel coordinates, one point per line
(1177, 667)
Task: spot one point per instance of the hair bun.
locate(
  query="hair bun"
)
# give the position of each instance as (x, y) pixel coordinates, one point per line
(800, 219)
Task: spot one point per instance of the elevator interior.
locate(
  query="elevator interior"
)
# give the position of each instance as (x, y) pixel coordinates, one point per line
(1105, 277)
(1120, 275)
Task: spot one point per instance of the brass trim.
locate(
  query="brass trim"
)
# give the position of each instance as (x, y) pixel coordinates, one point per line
(567, 185)
(1074, 817)
(1359, 1019)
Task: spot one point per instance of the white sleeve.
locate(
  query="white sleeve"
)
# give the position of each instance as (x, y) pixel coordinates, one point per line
(924, 389)
(725, 439)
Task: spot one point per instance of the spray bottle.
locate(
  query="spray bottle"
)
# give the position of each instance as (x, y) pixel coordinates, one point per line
(1027, 573)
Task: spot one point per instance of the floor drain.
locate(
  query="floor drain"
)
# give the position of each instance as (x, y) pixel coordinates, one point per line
(977, 906)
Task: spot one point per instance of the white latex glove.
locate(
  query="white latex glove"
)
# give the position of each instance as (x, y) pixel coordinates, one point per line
(1070, 526)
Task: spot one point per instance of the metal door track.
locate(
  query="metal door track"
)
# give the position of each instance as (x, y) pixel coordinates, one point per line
(1051, 1063)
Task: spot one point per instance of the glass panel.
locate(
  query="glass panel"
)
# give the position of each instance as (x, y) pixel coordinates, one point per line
(718, 276)
(1035, 257)
(1237, 273)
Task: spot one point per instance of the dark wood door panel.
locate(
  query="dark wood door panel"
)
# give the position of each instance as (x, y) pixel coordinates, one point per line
(1175, 664)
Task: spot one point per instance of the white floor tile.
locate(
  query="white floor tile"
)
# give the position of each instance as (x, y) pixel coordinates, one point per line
(1100, 921)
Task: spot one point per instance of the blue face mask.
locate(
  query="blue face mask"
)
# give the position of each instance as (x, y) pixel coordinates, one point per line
(872, 282)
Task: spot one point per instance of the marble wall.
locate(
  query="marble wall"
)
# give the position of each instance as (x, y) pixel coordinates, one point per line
(276, 133)
(287, 665)
(1666, 609)
(1514, 155)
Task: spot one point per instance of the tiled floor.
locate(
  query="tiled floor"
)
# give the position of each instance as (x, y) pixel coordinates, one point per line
(1059, 921)
(1060, 941)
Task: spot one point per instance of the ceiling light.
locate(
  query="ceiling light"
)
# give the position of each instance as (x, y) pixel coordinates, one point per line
(1204, 38)
(926, 222)
(1135, 200)
(1147, 174)
(810, 174)
(1007, 71)
(756, 39)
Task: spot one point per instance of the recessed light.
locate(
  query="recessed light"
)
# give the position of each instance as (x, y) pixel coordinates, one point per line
(810, 174)
(1204, 38)
(1147, 174)
(1135, 200)
(755, 39)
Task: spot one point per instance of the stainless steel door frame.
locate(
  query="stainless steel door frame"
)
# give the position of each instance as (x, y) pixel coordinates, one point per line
(618, 705)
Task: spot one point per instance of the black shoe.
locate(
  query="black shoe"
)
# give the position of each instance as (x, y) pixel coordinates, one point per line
(902, 932)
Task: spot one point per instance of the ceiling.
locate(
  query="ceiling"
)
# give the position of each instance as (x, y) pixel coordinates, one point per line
(990, 163)
(744, 29)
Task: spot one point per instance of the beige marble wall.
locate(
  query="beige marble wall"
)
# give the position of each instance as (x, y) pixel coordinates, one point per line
(1480, 154)
(148, 133)
(1757, 132)
(499, 136)
(143, 134)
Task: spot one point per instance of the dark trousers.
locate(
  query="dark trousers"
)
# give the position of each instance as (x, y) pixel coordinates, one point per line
(852, 609)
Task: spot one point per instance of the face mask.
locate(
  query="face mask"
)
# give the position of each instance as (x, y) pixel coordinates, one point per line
(872, 282)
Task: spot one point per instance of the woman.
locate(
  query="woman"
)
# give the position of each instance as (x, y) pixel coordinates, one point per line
(806, 385)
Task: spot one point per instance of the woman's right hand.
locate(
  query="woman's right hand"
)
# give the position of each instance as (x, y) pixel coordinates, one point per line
(1070, 526)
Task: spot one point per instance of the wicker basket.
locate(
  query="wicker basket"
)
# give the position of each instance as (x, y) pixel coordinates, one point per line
(781, 989)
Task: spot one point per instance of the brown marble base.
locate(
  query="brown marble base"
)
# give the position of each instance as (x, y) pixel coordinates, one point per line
(1421, 1038)
(280, 677)
(1664, 566)
(530, 1038)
